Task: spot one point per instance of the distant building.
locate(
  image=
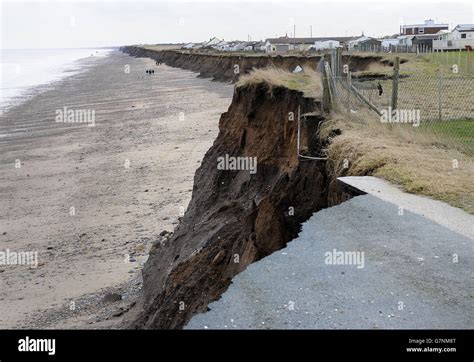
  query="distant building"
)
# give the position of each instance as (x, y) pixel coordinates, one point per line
(389, 43)
(188, 46)
(369, 45)
(460, 38)
(405, 41)
(221, 46)
(424, 42)
(211, 43)
(285, 43)
(429, 27)
(326, 44)
(353, 43)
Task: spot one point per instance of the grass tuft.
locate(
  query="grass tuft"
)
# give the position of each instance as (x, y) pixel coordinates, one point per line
(308, 81)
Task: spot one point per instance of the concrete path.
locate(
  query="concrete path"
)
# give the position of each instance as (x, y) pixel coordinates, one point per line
(398, 271)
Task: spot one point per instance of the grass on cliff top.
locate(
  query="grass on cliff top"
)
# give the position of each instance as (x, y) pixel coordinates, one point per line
(159, 47)
(419, 65)
(308, 81)
(417, 161)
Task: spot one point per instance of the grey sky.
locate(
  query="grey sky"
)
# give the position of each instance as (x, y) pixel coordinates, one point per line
(56, 24)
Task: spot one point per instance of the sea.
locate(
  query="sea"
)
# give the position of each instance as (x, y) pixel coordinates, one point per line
(25, 72)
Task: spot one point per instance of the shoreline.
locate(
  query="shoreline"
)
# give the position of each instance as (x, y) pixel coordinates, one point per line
(91, 215)
(53, 79)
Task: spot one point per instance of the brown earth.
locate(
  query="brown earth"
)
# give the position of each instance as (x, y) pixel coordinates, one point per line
(236, 218)
(228, 67)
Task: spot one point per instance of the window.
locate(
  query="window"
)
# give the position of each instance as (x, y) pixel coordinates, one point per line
(463, 36)
(421, 30)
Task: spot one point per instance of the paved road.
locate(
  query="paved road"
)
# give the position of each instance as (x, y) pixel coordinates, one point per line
(411, 277)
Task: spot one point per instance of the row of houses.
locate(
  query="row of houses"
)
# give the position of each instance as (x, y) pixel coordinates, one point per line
(437, 37)
(428, 36)
(227, 46)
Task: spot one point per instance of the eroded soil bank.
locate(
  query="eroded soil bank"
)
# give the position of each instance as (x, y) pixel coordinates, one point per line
(228, 67)
(125, 179)
(236, 217)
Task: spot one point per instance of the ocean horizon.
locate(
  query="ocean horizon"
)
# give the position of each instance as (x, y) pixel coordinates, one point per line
(24, 72)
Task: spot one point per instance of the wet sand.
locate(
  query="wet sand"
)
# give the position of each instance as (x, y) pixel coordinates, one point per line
(91, 200)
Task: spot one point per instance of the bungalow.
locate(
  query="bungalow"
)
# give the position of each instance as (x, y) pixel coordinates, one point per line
(326, 44)
(405, 41)
(353, 43)
(238, 46)
(461, 37)
(388, 43)
(424, 42)
(222, 46)
(259, 46)
(188, 46)
(211, 43)
(254, 46)
(369, 45)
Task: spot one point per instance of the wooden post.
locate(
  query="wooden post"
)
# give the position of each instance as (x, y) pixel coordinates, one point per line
(338, 68)
(396, 70)
(327, 96)
(440, 90)
(468, 61)
(349, 83)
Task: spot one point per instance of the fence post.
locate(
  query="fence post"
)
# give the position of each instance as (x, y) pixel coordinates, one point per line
(349, 83)
(339, 62)
(468, 61)
(327, 96)
(440, 90)
(396, 70)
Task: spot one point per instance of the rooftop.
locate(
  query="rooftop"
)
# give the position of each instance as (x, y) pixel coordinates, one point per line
(288, 40)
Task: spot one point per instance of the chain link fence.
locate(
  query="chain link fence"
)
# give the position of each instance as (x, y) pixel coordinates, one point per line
(441, 105)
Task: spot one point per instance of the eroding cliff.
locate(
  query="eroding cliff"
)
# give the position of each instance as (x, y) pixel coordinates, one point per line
(225, 67)
(236, 217)
(229, 67)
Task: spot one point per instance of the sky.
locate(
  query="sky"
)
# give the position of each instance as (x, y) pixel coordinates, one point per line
(74, 24)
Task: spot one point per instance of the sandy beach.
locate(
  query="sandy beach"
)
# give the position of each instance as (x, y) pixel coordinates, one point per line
(91, 200)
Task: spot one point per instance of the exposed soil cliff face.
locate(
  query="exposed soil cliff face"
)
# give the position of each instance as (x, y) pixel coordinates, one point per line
(235, 217)
(221, 67)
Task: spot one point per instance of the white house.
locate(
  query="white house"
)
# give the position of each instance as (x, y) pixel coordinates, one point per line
(351, 44)
(326, 44)
(212, 42)
(221, 46)
(460, 38)
(405, 40)
(284, 44)
(238, 46)
(188, 46)
(389, 42)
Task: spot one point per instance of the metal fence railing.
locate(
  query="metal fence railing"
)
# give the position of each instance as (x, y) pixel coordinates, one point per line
(440, 104)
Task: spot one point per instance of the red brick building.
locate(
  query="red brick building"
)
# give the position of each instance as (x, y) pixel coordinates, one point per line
(429, 27)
